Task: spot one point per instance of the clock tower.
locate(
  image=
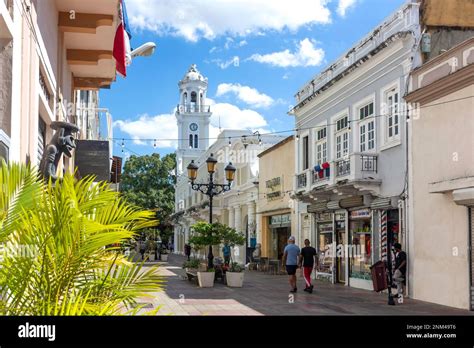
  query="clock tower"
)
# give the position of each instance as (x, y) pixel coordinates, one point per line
(193, 117)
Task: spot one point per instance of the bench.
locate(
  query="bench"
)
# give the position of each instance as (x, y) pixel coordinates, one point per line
(191, 274)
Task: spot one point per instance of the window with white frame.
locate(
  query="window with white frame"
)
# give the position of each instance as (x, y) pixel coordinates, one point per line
(321, 146)
(366, 127)
(393, 116)
(342, 137)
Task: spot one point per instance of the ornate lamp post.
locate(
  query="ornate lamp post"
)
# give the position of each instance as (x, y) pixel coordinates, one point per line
(210, 188)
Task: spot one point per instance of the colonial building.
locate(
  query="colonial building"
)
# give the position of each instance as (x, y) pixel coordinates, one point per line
(350, 151)
(275, 208)
(237, 207)
(441, 150)
(55, 55)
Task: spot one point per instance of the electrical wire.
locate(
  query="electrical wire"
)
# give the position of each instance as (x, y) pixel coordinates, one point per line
(293, 130)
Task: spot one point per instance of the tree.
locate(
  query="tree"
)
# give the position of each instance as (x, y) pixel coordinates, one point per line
(148, 182)
(205, 234)
(61, 243)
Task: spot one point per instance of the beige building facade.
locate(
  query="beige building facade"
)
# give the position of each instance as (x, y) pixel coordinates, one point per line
(51, 50)
(275, 208)
(441, 177)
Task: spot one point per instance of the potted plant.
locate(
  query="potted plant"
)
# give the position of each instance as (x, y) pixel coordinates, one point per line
(206, 278)
(164, 254)
(235, 275)
(205, 235)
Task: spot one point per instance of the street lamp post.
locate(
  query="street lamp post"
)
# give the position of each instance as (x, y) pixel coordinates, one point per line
(210, 188)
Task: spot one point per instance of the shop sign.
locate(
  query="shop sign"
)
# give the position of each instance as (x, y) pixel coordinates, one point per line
(273, 188)
(280, 219)
(276, 220)
(361, 213)
(324, 217)
(286, 219)
(324, 228)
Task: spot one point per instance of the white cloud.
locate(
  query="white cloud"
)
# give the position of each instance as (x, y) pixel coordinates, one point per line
(344, 5)
(193, 19)
(242, 43)
(151, 127)
(235, 61)
(164, 126)
(306, 55)
(247, 94)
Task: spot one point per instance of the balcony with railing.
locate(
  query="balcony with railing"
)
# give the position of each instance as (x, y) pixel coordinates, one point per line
(357, 166)
(193, 108)
(320, 176)
(302, 180)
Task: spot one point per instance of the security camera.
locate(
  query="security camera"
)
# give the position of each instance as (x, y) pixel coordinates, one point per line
(144, 50)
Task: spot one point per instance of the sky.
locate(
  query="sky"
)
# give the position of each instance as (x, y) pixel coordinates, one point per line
(256, 55)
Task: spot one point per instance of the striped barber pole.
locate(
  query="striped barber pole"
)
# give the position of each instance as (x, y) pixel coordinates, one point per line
(383, 234)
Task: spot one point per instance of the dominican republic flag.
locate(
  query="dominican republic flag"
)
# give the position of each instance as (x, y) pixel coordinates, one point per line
(122, 50)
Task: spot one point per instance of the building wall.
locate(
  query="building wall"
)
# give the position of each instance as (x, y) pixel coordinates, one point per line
(389, 67)
(442, 149)
(276, 163)
(6, 55)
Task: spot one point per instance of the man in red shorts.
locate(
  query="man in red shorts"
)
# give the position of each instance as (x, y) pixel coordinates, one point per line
(308, 257)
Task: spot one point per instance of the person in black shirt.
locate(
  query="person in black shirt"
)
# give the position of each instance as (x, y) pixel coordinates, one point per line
(400, 268)
(309, 260)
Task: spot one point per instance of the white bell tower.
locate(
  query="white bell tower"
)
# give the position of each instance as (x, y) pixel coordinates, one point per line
(193, 117)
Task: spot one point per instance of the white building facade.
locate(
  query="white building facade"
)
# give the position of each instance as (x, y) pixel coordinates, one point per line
(351, 151)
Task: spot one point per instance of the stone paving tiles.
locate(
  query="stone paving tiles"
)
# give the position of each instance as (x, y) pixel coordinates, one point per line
(264, 294)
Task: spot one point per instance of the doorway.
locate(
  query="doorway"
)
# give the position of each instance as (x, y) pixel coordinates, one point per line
(283, 233)
(341, 257)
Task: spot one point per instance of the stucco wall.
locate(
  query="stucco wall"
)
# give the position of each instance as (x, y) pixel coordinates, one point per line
(6, 51)
(442, 149)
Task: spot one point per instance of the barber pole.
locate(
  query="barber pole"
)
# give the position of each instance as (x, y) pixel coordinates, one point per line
(383, 229)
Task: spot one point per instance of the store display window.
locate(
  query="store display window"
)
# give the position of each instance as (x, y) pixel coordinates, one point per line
(361, 238)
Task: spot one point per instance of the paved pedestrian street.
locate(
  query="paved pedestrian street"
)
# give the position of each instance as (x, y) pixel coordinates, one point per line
(264, 294)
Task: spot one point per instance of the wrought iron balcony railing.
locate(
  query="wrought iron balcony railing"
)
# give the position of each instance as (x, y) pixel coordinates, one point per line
(318, 177)
(343, 167)
(369, 163)
(301, 180)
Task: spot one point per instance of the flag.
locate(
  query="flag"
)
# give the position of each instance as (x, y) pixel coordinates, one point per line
(122, 50)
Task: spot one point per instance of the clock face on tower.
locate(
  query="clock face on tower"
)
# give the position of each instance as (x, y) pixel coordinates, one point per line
(193, 127)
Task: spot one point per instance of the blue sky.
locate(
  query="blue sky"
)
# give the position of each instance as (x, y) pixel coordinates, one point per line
(278, 44)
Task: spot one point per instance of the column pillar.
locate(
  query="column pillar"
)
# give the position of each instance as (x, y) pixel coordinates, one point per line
(231, 217)
(258, 228)
(239, 252)
(238, 218)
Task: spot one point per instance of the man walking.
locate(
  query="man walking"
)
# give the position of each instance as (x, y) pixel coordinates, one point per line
(308, 258)
(400, 268)
(290, 260)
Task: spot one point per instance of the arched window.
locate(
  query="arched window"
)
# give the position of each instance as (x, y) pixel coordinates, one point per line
(193, 97)
(185, 98)
(190, 140)
(196, 141)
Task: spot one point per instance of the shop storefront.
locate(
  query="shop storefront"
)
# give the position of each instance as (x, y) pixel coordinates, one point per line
(280, 231)
(325, 245)
(340, 235)
(361, 247)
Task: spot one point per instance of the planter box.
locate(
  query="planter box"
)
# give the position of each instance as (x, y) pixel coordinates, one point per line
(234, 279)
(164, 257)
(206, 279)
(151, 257)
